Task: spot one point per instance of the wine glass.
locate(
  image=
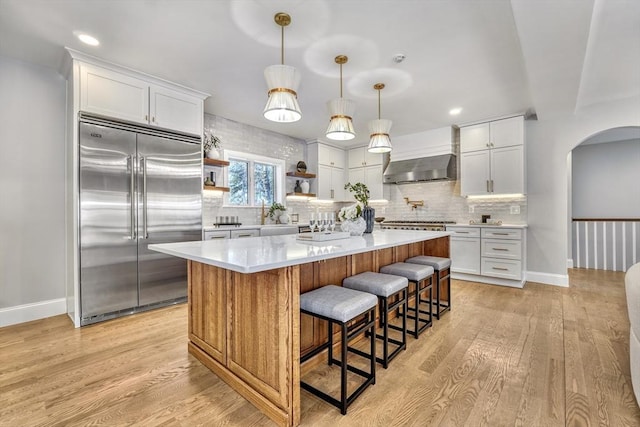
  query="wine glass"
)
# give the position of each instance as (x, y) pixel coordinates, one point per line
(312, 222)
(322, 222)
(332, 221)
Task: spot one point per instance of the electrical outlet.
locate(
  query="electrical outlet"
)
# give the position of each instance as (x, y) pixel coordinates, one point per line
(515, 210)
(472, 209)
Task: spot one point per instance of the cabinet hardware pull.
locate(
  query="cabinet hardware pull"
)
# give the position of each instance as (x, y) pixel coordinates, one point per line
(492, 186)
(500, 249)
(488, 187)
(244, 235)
(146, 117)
(143, 165)
(132, 184)
(495, 233)
(332, 193)
(462, 232)
(500, 268)
(217, 237)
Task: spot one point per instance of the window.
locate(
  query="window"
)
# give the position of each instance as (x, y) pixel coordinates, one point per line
(254, 179)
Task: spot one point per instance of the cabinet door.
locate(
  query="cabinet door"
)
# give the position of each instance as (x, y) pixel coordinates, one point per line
(507, 132)
(323, 181)
(475, 171)
(373, 180)
(337, 184)
(114, 95)
(330, 156)
(507, 170)
(356, 158)
(474, 138)
(372, 159)
(174, 110)
(465, 255)
(357, 175)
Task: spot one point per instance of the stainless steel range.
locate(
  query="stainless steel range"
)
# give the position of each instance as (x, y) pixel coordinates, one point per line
(429, 225)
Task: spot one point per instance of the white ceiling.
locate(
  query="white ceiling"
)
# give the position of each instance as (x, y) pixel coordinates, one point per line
(491, 57)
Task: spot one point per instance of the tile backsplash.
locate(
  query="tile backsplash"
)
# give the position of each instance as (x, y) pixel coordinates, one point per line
(442, 200)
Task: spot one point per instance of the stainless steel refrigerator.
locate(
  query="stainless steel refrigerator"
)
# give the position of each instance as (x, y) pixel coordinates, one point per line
(138, 186)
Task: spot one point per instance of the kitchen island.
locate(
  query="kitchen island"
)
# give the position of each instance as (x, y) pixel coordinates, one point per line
(244, 315)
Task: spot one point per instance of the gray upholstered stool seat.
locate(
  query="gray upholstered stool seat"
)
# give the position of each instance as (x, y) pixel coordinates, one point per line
(338, 305)
(380, 284)
(440, 265)
(420, 276)
(392, 294)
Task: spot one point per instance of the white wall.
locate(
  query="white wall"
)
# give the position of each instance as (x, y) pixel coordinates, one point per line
(32, 159)
(606, 180)
(548, 145)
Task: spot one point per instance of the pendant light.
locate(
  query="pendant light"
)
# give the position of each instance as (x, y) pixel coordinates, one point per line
(380, 141)
(341, 110)
(283, 80)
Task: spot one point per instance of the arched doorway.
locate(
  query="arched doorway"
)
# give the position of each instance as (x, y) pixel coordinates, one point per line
(604, 202)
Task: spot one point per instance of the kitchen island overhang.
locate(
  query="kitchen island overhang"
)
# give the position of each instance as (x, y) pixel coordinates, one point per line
(243, 298)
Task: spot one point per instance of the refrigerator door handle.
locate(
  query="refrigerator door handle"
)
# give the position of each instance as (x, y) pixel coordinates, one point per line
(143, 166)
(132, 217)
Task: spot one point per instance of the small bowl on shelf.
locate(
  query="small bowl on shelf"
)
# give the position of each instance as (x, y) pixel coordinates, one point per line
(379, 219)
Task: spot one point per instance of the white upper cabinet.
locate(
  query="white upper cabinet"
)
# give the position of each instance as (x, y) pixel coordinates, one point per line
(330, 179)
(359, 157)
(496, 134)
(492, 158)
(112, 94)
(127, 96)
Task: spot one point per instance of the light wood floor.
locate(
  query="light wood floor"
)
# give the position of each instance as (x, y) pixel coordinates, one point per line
(538, 356)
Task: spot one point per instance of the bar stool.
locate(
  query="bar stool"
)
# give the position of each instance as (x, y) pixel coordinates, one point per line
(420, 275)
(340, 305)
(439, 264)
(387, 288)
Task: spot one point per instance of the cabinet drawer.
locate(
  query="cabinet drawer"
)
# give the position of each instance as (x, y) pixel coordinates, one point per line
(215, 235)
(464, 231)
(503, 268)
(238, 234)
(502, 248)
(502, 233)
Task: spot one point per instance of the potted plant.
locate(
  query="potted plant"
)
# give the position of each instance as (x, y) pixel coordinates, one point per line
(361, 194)
(277, 210)
(211, 145)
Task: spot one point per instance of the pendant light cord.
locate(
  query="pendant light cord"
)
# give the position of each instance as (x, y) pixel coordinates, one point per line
(378, 104)
(340, 80)
(282, 45)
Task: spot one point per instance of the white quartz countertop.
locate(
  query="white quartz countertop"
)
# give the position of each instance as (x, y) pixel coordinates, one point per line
(503, 225)
(254, 254)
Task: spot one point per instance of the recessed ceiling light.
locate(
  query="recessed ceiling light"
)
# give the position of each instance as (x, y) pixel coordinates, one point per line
(86, 38)
(455, 111)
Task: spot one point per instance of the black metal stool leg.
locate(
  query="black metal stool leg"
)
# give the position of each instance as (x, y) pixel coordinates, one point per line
(343, 369)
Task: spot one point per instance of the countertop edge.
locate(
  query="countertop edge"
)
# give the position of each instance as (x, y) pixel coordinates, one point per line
(490, 225)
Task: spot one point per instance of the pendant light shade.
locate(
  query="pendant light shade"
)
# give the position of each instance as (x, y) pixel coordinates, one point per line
(282, 105)
(379, 129)
(341, 110)
(283, 81)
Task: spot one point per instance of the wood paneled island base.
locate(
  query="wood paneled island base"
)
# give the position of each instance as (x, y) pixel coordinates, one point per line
(247, 327)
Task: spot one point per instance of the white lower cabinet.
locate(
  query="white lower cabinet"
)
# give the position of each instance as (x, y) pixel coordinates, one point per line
(231, 234)
(465, 250)
(493, 254)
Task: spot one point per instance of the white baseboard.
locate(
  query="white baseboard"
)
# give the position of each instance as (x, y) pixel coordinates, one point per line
(561, 280)
(488, 280)
(569, 263)
(34, 311)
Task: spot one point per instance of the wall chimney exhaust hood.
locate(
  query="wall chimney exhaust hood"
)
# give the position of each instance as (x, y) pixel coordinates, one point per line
(435, 168)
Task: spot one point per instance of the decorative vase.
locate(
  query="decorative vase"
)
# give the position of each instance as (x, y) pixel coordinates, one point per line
(369, 214)
(213, 154)
(304, 185)
(297, 188)
(284, 218)
(355, 227)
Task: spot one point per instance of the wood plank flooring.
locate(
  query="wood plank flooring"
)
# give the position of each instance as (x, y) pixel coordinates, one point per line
(538, 356)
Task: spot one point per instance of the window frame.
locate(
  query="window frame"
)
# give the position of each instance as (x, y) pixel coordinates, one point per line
(280, 176)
